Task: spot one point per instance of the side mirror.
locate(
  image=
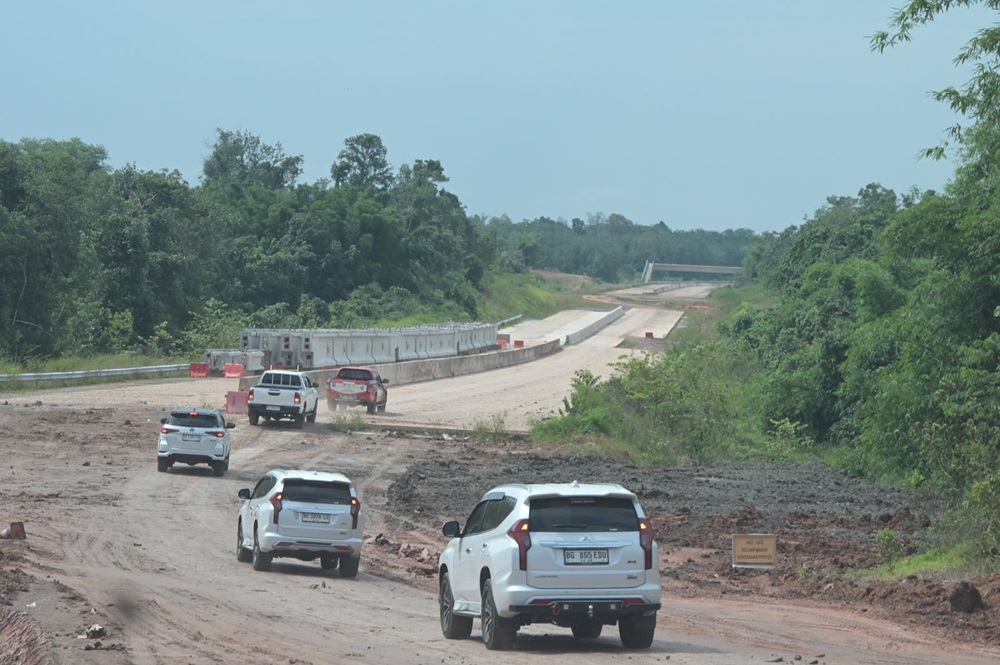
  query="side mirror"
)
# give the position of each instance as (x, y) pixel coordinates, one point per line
(244, 494)
(230, 425)
(451, 529)
(385, 380)
(163, 421)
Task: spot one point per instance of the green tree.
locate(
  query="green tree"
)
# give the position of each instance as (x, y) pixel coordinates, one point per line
(362, 163)
(979, 98)
(240, 160)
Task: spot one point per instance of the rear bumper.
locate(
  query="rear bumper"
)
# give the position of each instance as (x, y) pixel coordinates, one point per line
(285, 546)
(280, 412)
(573, 609)
(350, 398)
(188, 458)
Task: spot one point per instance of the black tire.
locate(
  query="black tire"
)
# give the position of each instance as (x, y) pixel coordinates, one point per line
(162, 464)
(349, 566)
(328, 562)
(254, 418)
(636, 631)
(498, 635)
(311, 418)
(371, 407)
(260, 560)
(226, 464)
(454, 627)
(587, 629)
(243, 555)
(300, 421)
(219, 469)
(381, 407)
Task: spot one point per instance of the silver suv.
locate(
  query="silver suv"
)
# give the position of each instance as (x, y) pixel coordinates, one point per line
(194, 436)
(575, 555)
(306, 515)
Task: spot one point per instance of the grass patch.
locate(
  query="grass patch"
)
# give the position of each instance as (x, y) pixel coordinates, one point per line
(347, 422)
(536, 295)
(493, 428)
(935, 563)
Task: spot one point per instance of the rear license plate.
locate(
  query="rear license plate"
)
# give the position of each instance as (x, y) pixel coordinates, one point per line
(190, 437)
(316, 517)
(585, 557)
(274, 408)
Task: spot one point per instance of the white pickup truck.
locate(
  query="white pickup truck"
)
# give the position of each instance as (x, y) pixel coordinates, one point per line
(283, 394)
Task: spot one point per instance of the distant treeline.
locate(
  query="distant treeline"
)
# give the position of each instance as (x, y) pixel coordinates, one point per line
(95, 260)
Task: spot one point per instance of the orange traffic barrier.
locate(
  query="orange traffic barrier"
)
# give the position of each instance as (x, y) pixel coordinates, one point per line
(502, 343)
(199, 370)
(236, 402)
(518, 343)
(649, 335)
(232, 370)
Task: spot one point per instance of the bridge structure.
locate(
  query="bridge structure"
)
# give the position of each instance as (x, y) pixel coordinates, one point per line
(652, 266)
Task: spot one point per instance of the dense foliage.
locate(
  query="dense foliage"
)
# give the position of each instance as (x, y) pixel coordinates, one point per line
(612, 248)
(97, 261)
(869, 336)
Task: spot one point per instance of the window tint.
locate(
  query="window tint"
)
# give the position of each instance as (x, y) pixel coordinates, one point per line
(475, 523)
(355, 374)
(263, 486)
(582, 514)
(205, 420)
(497, 511)
(316, 491)
(291, 380)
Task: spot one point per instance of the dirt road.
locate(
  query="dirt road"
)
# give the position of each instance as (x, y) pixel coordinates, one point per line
(150, 556)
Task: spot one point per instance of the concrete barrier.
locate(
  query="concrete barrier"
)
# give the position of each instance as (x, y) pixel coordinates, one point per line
(584, 333)
(415, 371)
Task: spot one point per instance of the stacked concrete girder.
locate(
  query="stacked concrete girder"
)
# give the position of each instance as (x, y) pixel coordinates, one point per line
(315, 349)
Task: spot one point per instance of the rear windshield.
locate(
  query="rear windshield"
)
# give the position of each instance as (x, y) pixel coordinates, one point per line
(582, 513)
(316, 491)
(291, 380)
(355, 374)
(205, 421)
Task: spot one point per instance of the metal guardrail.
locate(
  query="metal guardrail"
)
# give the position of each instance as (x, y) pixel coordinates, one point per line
(36, 377)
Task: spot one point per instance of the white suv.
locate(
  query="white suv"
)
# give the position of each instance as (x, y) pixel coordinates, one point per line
(307, 515)
(194, 436)
(575, 555)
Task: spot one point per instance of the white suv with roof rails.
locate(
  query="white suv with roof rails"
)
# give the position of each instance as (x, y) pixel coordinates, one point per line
(194, 436)
(575, 555)
(306, 515)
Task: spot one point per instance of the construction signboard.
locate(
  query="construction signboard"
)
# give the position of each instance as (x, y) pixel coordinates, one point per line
(755, 550)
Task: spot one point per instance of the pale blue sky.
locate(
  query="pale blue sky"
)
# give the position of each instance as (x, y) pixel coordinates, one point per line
(715, 114)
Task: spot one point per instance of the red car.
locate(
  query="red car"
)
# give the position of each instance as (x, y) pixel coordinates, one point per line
(357, 386)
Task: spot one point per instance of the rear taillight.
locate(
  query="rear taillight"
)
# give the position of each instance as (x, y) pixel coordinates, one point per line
(522, 536)
(646, 541)
(276, 504)
(298, 398)
(355, 512)
(218, 435)
(250, 395)
(167, 430)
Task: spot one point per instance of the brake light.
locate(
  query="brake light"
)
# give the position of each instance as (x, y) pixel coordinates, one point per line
(355, 511)
(521, 533)
(646, 541)
(276, 504)
(167, 430)
(250, 395)
(298, 398)
(218, 435)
